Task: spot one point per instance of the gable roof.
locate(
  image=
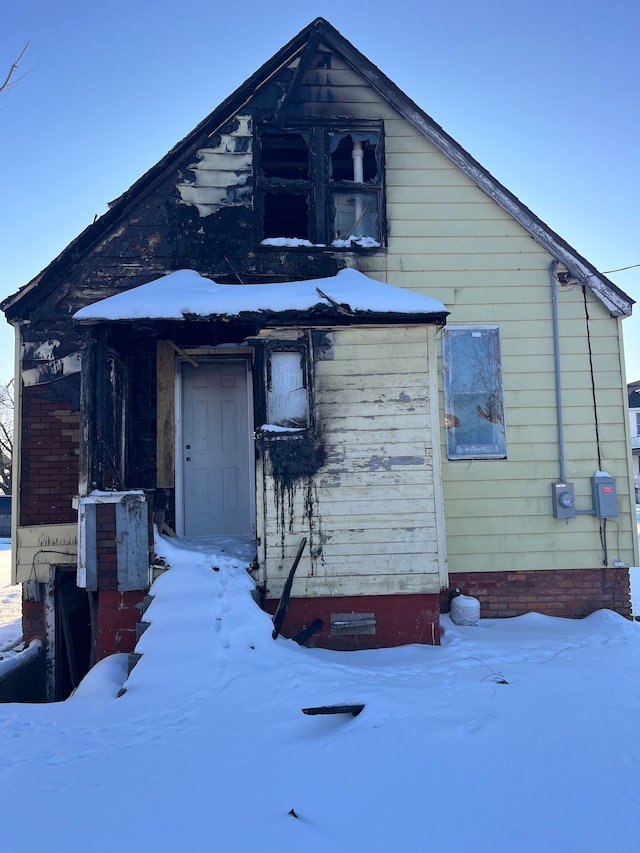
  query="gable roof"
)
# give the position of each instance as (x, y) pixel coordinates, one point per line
(302, 45)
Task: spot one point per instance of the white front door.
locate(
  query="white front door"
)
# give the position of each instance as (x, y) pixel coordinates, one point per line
(218, 491)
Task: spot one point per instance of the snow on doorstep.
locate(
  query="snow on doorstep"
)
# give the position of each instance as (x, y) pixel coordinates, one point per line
(515, 736)
(187, 293)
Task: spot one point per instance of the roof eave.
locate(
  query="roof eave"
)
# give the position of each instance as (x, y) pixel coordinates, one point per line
(264, 319)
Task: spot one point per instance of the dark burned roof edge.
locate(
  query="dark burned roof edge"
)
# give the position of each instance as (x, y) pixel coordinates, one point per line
(287, 318)
(616, 300)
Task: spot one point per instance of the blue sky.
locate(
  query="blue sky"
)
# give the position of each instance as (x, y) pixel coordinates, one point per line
(544, 95)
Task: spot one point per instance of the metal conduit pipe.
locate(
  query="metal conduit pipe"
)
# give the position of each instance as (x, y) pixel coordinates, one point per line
(556, 354)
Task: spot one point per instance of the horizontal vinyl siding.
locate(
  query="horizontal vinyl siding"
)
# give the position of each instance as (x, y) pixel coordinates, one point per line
(374, 499)
(450, 241)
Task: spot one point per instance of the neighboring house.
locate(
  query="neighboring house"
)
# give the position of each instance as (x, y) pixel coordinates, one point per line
(5, 516)
(633, 389)
(313, 392)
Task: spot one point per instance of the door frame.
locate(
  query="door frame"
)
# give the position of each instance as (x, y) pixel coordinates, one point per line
(178, 455)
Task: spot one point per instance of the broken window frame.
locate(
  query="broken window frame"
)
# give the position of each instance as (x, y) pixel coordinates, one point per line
(319, 188)
(473, 393)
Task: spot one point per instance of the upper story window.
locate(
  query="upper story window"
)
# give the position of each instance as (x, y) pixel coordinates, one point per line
(473, 397)
(321, 185)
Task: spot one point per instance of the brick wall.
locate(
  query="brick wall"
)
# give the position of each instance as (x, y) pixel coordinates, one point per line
(118, 614)
(573, 593)
(33, 621)
(399, 619)
(49, 473)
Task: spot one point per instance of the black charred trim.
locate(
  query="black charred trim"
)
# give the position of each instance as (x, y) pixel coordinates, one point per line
(320, 315)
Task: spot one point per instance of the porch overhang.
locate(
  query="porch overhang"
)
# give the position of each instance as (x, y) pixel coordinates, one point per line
(348, 298)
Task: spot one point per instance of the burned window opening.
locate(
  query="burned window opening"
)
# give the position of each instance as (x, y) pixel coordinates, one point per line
(323, 185)
(285, 215)
(353, 157)
(285, 156)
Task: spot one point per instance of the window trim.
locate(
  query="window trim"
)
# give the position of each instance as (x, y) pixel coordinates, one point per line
(456, 449)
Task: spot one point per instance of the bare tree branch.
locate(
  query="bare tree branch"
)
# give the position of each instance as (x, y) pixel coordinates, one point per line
(9, 81)
(6, 436)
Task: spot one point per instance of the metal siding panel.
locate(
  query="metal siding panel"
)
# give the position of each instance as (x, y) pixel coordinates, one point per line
(132, 544)
(87, 576)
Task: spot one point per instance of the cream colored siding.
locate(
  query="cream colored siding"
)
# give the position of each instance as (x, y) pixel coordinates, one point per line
(370, 513)
(38, 548)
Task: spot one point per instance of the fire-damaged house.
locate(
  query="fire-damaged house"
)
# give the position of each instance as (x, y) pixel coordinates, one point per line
(318, 324)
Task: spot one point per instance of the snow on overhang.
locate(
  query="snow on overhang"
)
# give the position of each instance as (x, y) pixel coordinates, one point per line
(185, 294)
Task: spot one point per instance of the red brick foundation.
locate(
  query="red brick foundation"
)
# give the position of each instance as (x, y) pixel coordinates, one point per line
(33, 621)
(118, 614)
(573, 593)
(399, 619)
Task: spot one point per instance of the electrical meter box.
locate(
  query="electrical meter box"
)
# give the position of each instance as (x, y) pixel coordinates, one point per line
(564, 502)
(605, 498)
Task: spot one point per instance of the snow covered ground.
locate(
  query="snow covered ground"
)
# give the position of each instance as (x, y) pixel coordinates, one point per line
(516, 735)
(10, 602)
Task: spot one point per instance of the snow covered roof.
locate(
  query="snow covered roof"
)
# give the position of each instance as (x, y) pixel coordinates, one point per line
(185, 294)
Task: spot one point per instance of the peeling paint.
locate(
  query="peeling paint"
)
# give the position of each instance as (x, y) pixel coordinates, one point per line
(49, 371)
(40, 351)
(377, 463)
(222, 175)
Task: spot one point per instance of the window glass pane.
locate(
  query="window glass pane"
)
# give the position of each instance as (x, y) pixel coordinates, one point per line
(287, 402)
(474, 410)
(355, 218)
